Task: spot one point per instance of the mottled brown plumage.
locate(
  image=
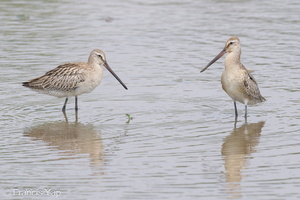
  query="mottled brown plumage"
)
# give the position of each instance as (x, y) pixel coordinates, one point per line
(73, 79)
(61, 81)
(236, 80)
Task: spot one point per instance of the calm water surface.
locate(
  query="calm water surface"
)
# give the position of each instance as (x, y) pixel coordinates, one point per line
(183, 141)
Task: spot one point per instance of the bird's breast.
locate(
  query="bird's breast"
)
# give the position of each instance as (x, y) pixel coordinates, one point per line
(232, 85)
(92, 79)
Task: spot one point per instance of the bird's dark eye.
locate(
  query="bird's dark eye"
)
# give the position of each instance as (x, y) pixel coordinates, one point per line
(230, 43)
(100, 56)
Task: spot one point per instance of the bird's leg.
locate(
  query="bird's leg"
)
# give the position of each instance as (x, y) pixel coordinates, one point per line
(76, 105)
(76, 109)
(64, 107)
(66, 118)
(235, 121)
(76, 116)
(235, 109)
(64, 110)
(246, 111)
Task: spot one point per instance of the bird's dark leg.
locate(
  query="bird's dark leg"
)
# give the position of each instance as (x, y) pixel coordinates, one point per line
(76, 116)
(246, 111)
(65, 115)
(235, 109)
(76, 104)
(76, 109)
(64, 110)
(64, 107)
(235, 121)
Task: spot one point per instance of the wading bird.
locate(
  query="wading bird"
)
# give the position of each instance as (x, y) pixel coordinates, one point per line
(236, 80)
(73, 79)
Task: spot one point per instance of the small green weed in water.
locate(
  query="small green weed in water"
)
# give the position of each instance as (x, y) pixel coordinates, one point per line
(129, 118)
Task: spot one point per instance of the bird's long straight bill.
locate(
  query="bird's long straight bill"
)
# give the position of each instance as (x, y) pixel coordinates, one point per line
(214, 60)
(115, 75)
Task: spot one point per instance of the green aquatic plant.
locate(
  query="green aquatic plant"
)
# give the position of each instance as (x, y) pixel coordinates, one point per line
(129, 118)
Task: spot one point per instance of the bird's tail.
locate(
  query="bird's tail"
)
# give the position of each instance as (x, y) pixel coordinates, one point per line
(25, 84)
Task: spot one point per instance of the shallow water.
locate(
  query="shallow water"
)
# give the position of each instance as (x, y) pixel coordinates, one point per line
(182, 141)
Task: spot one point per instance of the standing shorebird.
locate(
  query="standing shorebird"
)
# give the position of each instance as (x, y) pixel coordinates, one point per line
(236, 80)
(73, 79)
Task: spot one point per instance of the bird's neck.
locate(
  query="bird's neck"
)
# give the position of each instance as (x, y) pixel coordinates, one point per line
(93, 63)
(233, 60)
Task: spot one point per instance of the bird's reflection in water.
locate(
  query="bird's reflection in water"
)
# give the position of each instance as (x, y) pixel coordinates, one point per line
(66, 117)
(73, 139)
(236, 150)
